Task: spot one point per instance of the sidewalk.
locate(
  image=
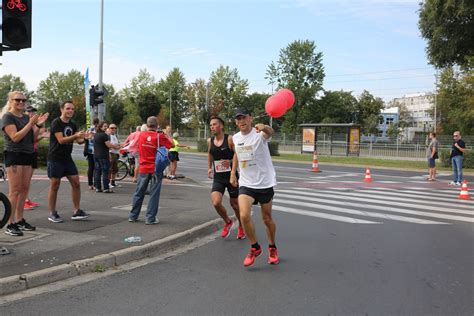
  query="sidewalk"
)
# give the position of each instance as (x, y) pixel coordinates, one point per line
(184, 205)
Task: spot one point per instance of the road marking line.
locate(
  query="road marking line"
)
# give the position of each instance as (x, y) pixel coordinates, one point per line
(437, 193)
(380, 199)
(379, 208)
(322, 215)
(361, 213)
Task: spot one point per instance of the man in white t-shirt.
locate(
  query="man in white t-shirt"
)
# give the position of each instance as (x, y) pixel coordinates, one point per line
(256, 181)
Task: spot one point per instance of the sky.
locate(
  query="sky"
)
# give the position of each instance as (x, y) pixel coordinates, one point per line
(366, 44)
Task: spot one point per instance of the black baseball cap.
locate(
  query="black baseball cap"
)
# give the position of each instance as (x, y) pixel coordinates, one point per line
(29, 108)
(241, 111)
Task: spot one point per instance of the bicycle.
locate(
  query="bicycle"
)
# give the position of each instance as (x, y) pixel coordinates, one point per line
(125, 166)
(5, 209)
(16, 3)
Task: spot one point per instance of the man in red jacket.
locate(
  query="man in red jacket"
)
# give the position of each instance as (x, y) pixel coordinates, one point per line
(147, 147)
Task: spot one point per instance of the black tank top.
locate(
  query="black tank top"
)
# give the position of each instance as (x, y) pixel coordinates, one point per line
(223, 152)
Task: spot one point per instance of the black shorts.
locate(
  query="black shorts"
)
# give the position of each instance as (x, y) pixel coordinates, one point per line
(59, 169)
(173, 155)
(18, 159)
(220, 186)
(35, 160)
(262, 196)
(114, 162)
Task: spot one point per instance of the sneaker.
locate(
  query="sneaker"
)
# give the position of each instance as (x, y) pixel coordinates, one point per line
(98, 191)
(79, 215)
(273, 256)
(27, 206)
(240, 233)
(13, 230)
(23, 225)
(452, 183)
(30, 202)
(108, 191)
(250, 259)
(226, 229)
(132, 220)
(457, 184)
(55, 218)
(156, 221)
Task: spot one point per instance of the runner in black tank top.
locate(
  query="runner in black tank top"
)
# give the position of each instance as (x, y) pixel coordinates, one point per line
(219, 159)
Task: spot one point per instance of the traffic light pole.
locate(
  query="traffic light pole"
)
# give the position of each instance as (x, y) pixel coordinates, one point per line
(101, 58)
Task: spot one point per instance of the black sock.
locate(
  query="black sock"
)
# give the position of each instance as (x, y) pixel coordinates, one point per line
(256, 246)
(272, 246)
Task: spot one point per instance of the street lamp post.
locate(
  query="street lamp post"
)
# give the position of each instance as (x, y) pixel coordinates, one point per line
(101, 57)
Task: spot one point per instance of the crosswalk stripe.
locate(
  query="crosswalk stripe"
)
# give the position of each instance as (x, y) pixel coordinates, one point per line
(322, 215)
(361, 213)
(452, 200)
(392, 201)
(437, 193)
(294, 195)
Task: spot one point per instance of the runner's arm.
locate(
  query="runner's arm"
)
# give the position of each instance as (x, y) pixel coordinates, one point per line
(233, 177)
(209, 158)
(266, 130)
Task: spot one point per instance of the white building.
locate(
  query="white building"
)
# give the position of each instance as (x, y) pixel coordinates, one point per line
(388, 116)
(419, 107)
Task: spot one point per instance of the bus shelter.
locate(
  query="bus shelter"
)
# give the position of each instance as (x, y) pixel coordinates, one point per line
(337, 139)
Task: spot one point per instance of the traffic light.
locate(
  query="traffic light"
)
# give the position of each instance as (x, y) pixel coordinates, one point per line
(96, 96)
(16, 24)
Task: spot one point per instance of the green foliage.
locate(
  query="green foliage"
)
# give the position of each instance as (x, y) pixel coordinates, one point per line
(368, 111)
(115, 109)
(273, 147)
(445, 159)
(59, 87)
(148, 105)
(255, 103)
(334, 107)
(196, 97)
(174, 87)
(448, 26)
(202, 146)
(10, 83)
(300, 69)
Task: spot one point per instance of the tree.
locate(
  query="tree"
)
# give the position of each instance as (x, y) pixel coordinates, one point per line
(455, 101)
(255, 102)
(300, 69)
(59, 87)
(115, 111)
(335, 107)
(174, 87)
(448, 26)
(368, 112)
(196, 96)
(10, 83)
(148, 105)
(140, 85)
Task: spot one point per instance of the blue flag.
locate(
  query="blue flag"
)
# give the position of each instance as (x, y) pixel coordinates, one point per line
(86, 78)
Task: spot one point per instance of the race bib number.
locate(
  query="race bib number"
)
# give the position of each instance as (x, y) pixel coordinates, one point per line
(245, 153)
(222, 166)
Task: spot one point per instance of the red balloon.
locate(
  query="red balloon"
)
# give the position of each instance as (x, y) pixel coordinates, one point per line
(276, 106)
(288, 95)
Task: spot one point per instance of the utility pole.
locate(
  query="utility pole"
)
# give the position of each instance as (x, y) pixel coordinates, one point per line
(436, 101)
(171, 126)
(206, 109)
(101, 58)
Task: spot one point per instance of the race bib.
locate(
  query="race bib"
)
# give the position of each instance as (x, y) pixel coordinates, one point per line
(222, 166)
(245, 153)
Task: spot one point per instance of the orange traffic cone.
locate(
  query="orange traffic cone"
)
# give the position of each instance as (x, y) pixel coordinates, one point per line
(315, 163)
(464, 193)
(368, 177)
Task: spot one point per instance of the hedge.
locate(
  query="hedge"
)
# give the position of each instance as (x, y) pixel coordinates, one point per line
(445, 159)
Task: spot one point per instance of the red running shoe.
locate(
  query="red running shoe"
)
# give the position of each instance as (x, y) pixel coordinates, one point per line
(250, 259)
(27, 206)
(33, 204)
(273, 256)
(226, 229)
(240, 233)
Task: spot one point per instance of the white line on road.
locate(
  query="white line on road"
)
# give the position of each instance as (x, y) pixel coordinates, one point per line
(361, 213)
(322, 215)
(387, 208)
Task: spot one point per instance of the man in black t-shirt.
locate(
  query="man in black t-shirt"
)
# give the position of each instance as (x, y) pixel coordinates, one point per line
(60, 164)
(457, 156)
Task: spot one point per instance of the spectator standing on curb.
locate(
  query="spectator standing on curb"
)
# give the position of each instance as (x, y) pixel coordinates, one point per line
(114, 154)
(60, 164)
(220, 152)
(257, 179)
(432, 155)
(148, 145)
(89, 154)
(173, 155)
(102, 144)
(131, 145)
(20, 130)
(457, 157)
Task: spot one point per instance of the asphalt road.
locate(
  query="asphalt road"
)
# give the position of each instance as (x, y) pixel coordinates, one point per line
(397, 246)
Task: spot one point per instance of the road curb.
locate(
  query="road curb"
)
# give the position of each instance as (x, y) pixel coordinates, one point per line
(100, 263)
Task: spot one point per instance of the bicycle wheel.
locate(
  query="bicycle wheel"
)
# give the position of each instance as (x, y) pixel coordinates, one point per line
(122, 170)
(5, 209)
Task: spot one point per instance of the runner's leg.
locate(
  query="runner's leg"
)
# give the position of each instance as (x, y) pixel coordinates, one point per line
(216, 198)
(268, 221)
(245, 206)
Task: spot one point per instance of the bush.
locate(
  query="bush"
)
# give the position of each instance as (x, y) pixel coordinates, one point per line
(202, 146)
(273, 147)
(446, 161)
